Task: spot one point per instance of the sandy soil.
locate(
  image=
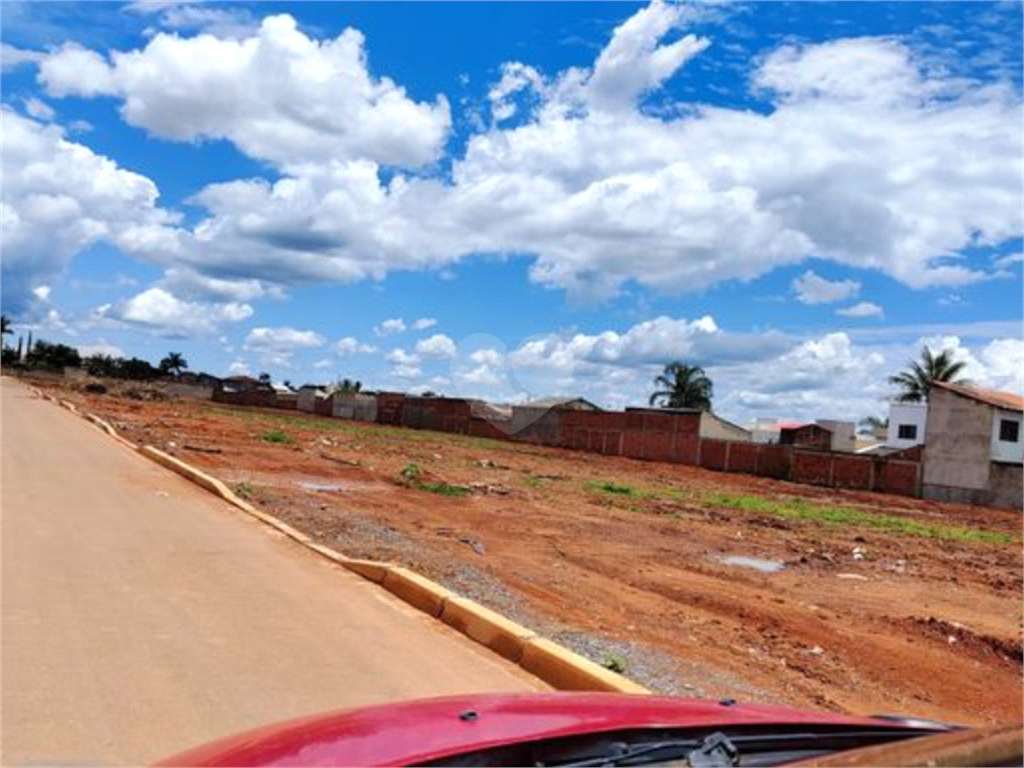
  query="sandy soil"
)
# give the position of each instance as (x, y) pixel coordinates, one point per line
(860, 618)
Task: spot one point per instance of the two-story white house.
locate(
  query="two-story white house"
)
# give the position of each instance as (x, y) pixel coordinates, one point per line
(974, 446)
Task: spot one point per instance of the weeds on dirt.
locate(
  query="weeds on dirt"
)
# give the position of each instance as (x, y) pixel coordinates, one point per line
(445, 489)
(618, 489)
(411, 474)
(243, 491)
(615, 664)
(276, 436)
(534, 482)
(798, 509)
(609, 486)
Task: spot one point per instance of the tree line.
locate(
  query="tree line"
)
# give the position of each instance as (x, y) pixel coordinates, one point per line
(681, 385)
(44, 355)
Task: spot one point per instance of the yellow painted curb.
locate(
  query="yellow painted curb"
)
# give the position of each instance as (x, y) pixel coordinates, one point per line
(369, 569)
(569, 671)
(501, 635)
(110, 431)
(419, 591)
(69, 405)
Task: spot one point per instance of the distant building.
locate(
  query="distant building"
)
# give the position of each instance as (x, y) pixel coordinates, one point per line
(309, 395)
(822, 435)
(712, 426)
(844, 434)
(240, 384)
(973, 446)
(806, 436)
(907, 422)
(525, 414)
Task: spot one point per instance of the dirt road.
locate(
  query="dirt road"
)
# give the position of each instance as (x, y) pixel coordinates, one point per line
(142, 616)
(873, 603)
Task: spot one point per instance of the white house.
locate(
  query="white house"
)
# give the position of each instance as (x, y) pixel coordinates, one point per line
(907, 422)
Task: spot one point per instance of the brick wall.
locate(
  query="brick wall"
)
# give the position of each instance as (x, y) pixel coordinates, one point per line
(389, 407)
(714, 454)
(895, 476)
(254, 398)
(743, 457)
(774, 461)
(812, 467)
(852, 472)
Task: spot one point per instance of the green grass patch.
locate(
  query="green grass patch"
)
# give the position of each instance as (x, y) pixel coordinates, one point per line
(445, 489)
(610, 486)
(411, 472)
(276, 436)
(798, 509)
(533, 482)
(623, 490)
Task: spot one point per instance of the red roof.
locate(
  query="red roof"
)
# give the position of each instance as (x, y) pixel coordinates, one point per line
(994, 397)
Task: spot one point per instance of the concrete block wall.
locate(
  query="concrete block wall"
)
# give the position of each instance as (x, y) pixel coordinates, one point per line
(651, 436)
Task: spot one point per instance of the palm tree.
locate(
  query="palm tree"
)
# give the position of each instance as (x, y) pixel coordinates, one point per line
(684, 386)
(917, 380)
(5, 325)
(173, 363)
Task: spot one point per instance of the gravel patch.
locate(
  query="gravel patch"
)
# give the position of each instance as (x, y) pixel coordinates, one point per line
(651, 667)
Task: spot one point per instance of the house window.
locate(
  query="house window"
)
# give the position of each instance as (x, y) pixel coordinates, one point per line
(1009, 430)
(907, 432)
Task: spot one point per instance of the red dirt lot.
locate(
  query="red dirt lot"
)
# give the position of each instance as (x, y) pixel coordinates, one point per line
(864, 616)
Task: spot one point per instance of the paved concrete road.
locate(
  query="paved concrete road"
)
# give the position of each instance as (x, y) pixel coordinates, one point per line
(142, 616)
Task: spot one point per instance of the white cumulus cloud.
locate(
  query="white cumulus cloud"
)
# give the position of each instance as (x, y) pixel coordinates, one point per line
(437, 345)
(294, 99)
(862, 309)
(165, 313)
(349, 345)
(814, 289)
(390, 327)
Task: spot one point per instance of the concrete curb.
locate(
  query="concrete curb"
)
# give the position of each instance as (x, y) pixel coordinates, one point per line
(557, 666)
(110, 431)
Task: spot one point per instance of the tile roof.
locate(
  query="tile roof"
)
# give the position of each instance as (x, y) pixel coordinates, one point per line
(994, 397)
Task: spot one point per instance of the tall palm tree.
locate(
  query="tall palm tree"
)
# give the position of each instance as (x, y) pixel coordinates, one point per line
(683, 386)
(174, 363)
(5, 325)
(916, 382)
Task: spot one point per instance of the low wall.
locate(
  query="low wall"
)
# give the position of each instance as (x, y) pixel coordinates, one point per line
(256, 398)
(644, 434)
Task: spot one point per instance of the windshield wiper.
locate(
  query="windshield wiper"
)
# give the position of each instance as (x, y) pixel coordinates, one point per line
(720, 751)
(714, 751)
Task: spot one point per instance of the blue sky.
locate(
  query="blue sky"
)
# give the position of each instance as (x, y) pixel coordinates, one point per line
(553, 198)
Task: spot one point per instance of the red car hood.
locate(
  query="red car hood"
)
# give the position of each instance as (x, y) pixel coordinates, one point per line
(429, 729)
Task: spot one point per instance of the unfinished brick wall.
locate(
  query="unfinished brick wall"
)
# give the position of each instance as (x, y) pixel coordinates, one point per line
(896, 476)
(593, 431)
(774, 461)
(253, 398)
(479, 427)
(713, 454)
(852, 472)
(287, 402)
(655, 436)
(389, 407)
(546, 430)
(743, 457)
(812, 468)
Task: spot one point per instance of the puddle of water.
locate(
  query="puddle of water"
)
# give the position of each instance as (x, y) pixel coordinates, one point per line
(320, 486)
(764, 566)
